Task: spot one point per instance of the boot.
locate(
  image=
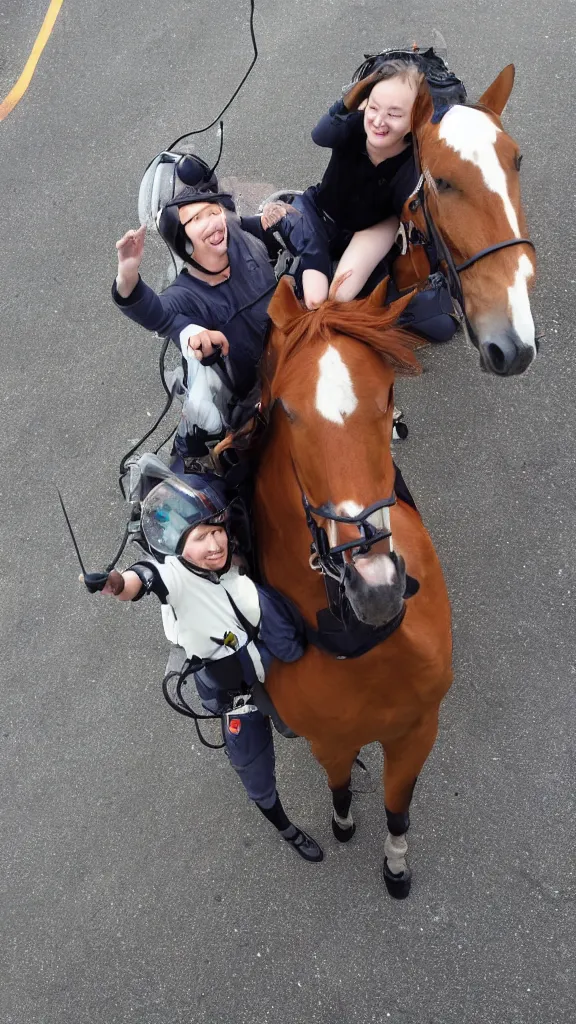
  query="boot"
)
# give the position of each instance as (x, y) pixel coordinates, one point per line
(304, 845)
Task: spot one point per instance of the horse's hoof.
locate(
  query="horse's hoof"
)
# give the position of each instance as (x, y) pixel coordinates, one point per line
(343, 835)
(398, 885)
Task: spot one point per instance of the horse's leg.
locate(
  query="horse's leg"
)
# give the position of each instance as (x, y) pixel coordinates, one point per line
(338, 767)
(403, 762)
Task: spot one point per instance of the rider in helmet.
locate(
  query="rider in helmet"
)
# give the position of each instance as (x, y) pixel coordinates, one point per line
(217, 306)
(228, 627)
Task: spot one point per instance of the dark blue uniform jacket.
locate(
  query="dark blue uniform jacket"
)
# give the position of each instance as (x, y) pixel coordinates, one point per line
(237, 307)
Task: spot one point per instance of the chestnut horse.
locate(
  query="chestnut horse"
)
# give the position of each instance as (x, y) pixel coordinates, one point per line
(326, 474)
(467, 204)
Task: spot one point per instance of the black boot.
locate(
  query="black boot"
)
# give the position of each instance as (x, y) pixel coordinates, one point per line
(303, 843)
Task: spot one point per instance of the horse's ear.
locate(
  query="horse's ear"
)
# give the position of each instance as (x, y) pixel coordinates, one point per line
(423, 108)
(284, 306)
(378, 296)
(497, 95)
(396, 308)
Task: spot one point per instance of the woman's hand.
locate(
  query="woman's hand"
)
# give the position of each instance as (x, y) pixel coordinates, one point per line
(356, 97)
(130, 252)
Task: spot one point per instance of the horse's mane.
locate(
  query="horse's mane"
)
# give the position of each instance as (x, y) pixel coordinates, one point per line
(359, 319)
(364, 320)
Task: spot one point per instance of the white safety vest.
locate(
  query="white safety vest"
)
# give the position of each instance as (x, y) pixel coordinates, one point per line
(198, 610)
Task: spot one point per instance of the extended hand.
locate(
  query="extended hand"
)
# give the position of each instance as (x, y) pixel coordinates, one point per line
(94, 581)
(208, 342)
(130, 252)
(114, 584)
(274, 212)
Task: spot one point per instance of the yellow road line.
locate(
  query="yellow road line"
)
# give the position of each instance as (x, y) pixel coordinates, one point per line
(16, 94)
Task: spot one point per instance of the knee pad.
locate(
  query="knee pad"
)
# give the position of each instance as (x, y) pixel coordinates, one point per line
(438, 328)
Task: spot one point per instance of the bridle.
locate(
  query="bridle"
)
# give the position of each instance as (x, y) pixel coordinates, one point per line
(330, 561)
(442, 253)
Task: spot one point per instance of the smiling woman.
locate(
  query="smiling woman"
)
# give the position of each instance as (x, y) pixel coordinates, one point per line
(17, 92)
(351, 216)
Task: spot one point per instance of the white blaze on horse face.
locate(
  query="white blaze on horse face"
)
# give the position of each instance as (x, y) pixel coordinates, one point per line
(472, 134)
(375, 569)
(348, 508)
(335, 398)
(519, 303)
(380, 519)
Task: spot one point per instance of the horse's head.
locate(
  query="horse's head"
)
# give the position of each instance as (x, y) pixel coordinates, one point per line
(472, 186)
(331, 380)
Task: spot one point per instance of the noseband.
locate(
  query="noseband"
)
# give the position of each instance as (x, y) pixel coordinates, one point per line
(444, 255)
(330, 560)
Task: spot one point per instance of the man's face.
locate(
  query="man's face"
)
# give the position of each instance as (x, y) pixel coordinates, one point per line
(205, 225)
(206, 547)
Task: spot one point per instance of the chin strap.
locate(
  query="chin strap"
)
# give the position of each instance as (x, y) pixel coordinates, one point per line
(213, 575)
(204, 270)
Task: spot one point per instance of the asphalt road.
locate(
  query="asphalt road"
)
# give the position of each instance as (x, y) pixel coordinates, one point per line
(138, 887)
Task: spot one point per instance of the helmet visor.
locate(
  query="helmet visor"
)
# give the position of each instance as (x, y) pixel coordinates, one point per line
(172, 508)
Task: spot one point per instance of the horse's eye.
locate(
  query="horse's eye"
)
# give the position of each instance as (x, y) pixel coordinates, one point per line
(442, 185)
(518, 161)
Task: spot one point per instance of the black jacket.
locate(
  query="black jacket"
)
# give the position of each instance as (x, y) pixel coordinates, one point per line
(237, 307)
(354, 192)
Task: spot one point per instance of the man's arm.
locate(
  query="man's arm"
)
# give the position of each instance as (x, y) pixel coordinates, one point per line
(141, 303)
(130, 252)
(256, 226)
(136, 299)
(282, 628)
(142, 578)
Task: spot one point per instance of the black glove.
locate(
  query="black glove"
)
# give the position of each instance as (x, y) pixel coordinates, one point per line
(95, 581)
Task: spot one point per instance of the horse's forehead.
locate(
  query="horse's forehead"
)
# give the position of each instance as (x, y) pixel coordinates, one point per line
(468, 131)
(335, 395)
(473, 135)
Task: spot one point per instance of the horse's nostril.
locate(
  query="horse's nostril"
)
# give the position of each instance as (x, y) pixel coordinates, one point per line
(497, 358)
